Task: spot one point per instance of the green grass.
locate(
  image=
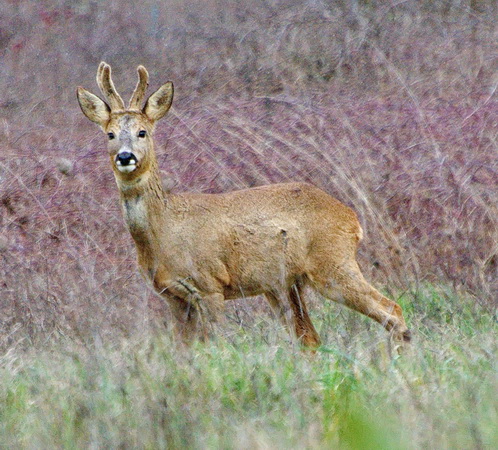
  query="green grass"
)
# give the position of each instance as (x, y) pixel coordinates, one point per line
(253, 388)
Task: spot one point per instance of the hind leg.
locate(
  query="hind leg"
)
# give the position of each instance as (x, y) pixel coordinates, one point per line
(302, 323)
(346, 285)
(303, 327)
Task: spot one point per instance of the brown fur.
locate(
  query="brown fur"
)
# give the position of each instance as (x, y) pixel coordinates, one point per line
(199, 250)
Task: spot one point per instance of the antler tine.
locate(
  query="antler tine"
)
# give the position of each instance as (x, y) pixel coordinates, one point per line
(139, 92)
(100, 71)
(106, 85)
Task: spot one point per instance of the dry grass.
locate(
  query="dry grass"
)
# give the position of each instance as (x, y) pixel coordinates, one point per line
(391, 108)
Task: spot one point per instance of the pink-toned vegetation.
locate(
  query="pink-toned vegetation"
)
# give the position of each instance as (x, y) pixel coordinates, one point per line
(391, 108)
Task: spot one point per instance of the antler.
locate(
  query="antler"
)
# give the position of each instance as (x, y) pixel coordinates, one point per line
(106, 85)
(139, 92)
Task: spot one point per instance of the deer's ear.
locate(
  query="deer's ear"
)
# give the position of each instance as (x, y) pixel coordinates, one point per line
(93, 107)
(159, 103)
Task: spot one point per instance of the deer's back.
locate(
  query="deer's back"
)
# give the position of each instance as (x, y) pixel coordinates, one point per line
(299, 204)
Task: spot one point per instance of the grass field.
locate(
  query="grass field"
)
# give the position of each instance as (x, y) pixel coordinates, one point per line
(253, 388)
(389, 106)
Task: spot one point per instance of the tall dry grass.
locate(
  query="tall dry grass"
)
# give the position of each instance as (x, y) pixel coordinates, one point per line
(390, 107)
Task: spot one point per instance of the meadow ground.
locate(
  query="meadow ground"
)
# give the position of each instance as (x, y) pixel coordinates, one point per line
(254, 388)
(389, 106)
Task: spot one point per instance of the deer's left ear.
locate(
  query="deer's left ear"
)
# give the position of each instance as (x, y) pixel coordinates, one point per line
(159, 103)
(93, 107)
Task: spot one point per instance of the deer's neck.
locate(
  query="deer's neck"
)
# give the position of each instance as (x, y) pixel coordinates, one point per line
(144, 209)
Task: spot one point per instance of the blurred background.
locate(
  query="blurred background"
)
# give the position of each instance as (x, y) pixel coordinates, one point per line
(389, 106)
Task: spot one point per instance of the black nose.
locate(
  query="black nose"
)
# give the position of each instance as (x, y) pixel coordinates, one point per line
(125, 158)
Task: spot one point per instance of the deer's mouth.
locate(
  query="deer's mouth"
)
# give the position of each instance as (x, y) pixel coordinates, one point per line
(126, 162)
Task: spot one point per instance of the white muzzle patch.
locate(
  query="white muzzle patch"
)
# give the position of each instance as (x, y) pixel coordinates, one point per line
(126, 162)
(126, 169)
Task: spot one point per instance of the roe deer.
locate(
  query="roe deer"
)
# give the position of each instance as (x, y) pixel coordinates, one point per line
(199, 250)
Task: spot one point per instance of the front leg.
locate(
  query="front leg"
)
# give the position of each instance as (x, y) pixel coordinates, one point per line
(183, 304)
(211, 306)
(210, 309)
(188, 321)
(196, 315)
(194, 311)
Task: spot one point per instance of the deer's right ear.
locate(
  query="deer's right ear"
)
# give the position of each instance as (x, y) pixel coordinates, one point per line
(93, 107)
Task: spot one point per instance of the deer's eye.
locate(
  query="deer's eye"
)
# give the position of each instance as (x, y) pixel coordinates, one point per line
(142, 133)
(110, 136)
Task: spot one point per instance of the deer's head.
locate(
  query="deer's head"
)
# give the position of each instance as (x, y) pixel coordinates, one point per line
(129, 130)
